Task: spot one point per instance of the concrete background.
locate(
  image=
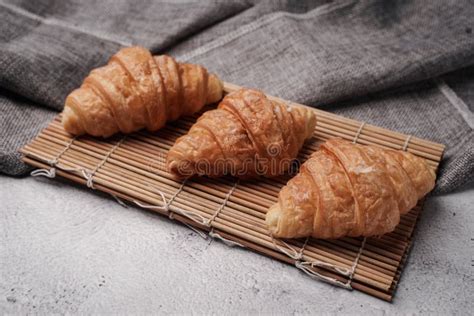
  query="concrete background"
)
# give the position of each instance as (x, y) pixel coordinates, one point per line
(65, 249)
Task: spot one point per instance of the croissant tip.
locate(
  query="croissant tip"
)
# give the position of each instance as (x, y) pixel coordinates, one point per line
(172, 167)
(272, 218)
(311, 124)
(70, 122)
(215, 89)
(179, 169)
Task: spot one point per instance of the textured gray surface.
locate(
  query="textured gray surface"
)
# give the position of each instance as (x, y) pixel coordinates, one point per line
(66, 249)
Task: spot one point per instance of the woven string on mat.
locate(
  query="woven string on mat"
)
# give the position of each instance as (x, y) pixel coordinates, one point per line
(199, 219)
(51, 172)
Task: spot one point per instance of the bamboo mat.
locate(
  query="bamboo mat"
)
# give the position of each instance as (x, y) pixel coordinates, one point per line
(132, 168)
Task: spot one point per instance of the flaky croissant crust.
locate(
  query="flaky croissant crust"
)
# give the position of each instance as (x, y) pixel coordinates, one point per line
(136, 90)
(246, 136)
(346, 189)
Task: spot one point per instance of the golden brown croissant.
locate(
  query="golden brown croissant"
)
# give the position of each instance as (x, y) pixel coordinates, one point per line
(247, 135)
(345, 189)
(136, 90)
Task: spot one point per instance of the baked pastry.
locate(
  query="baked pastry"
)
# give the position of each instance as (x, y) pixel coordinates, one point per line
(246, 136)
(345, 189)
(136, 90)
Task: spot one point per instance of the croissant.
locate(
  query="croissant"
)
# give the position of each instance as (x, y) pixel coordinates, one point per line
(136, 90)
(345, 189)
(246, 136)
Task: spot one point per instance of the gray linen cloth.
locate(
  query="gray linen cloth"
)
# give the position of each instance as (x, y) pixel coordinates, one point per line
(404, 65)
